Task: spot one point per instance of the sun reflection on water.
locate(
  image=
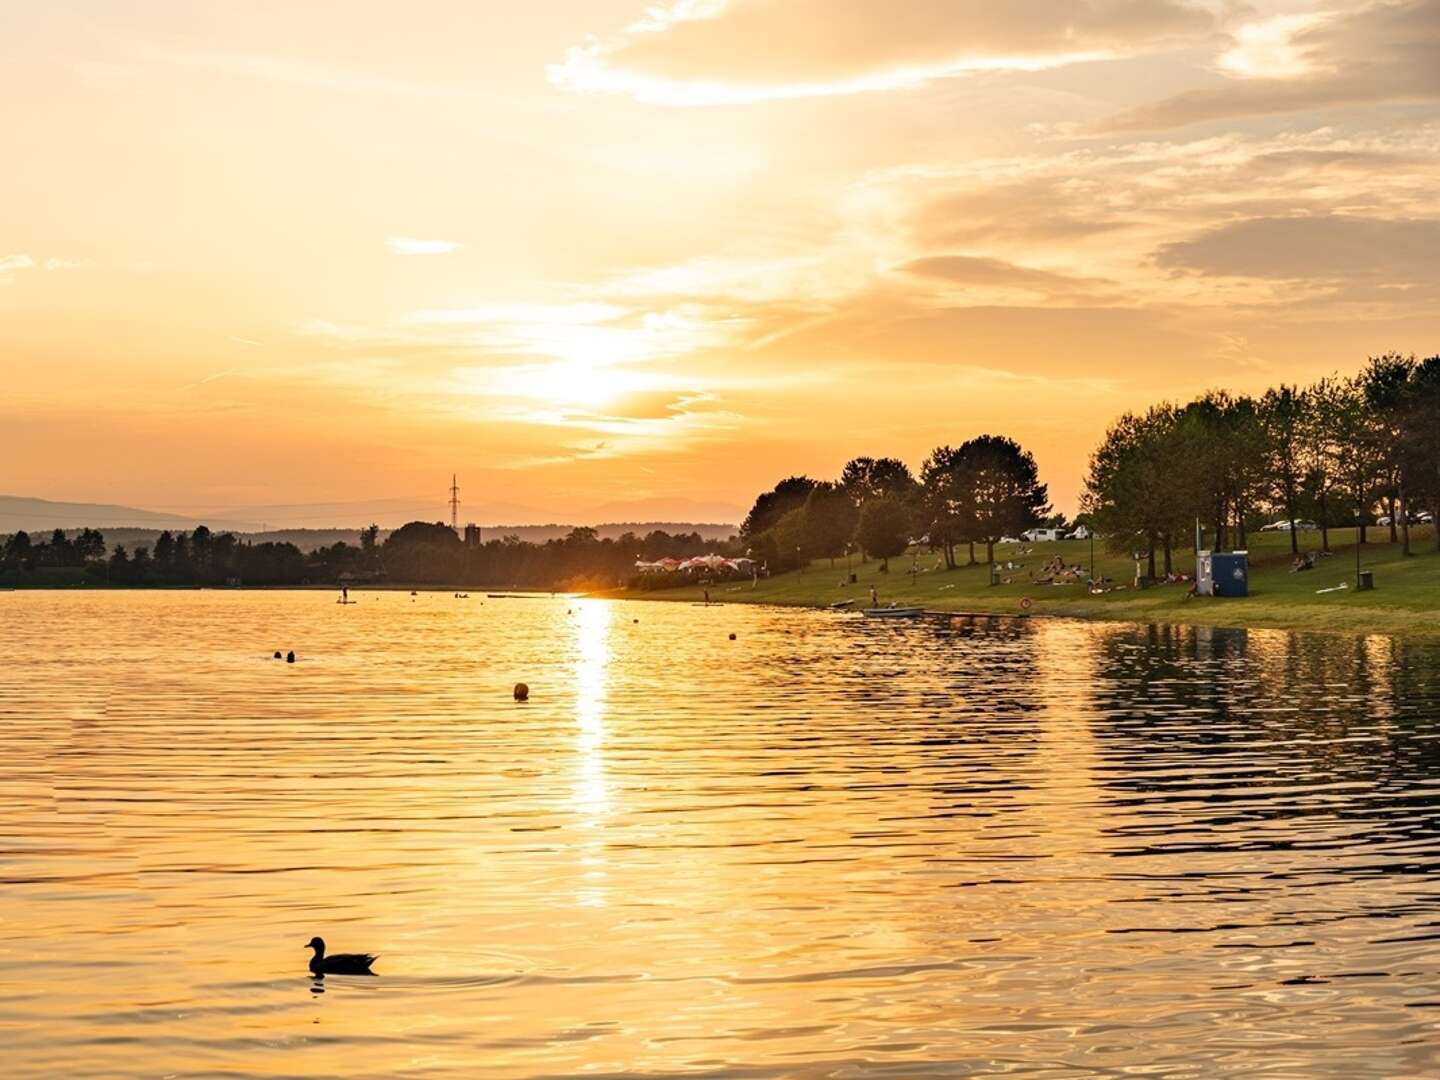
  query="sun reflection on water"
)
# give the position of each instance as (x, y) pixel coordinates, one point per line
(591, 793)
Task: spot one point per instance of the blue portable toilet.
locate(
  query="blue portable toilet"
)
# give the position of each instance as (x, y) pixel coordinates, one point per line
(1222, 573)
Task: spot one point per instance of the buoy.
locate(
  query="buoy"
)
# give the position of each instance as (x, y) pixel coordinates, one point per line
(634, 620)
(522, 692)
(290, 657)
(1026, 602)
(732, 637)
(277, 654)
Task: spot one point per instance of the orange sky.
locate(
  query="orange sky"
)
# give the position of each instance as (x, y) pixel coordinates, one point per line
(590, 253)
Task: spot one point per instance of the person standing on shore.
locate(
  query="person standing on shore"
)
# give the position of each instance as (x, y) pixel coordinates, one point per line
(874, 597)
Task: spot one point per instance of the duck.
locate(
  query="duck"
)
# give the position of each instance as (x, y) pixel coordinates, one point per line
(338, 963)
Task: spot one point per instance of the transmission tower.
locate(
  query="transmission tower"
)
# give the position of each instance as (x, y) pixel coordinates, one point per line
(454, 504)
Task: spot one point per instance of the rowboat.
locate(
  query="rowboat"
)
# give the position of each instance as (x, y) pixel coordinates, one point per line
(892, 612)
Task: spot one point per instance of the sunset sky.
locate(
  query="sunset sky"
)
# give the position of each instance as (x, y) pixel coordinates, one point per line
(596, 256)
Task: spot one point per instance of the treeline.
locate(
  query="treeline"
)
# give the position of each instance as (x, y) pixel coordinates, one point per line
(977, 493)
(1342, 452)
(417, 553)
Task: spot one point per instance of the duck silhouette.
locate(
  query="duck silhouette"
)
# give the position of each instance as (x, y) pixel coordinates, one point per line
(338, 963)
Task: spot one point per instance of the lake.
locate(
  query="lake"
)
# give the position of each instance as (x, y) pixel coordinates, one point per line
(831, 847)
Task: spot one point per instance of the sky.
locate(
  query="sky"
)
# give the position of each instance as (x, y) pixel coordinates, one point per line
(599, 256)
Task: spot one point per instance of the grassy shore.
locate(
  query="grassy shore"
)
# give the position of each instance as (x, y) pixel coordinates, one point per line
(1405, 601)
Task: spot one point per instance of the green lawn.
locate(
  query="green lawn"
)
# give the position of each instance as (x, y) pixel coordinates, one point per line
(1405, 601)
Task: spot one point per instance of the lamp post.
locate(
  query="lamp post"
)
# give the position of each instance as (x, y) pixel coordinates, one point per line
(799, 566)
(1092, 553)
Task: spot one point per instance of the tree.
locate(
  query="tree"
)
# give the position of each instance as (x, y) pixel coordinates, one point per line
(830, 519)
(1356, 449)
(770, 507)
(1386, 386)
(948, 501)
(1422, 442)
(422, 551)
(1009, 497)
(201, 545)
(865, 478)
(1282, 420)
(884, 528)
(90, 546)
(1317, 449)
(1140, 490)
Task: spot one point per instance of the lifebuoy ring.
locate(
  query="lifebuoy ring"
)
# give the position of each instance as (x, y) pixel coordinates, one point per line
(1026, 602)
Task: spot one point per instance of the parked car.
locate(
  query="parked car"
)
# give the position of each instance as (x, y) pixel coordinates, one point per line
(1276, 526)
(1080, 533)
(1041, 535)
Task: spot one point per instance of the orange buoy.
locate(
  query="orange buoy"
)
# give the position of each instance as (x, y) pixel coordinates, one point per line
(522, 692)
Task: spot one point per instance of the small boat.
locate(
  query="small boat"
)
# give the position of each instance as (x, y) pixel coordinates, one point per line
(892, 612)
(843, 604)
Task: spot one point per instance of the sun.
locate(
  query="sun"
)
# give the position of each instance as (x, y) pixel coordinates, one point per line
(575, 383)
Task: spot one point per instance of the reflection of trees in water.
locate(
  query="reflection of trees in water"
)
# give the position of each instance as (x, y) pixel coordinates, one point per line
(947, 705)
(1203, 731)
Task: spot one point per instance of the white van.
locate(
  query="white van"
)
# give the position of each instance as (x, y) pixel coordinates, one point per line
(1041, 535)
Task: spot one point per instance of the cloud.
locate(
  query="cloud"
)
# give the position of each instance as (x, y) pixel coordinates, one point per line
(1383, 52)
(405, 245)
(708, 52)
(12, 264)
(1395, 253)
(988, 274)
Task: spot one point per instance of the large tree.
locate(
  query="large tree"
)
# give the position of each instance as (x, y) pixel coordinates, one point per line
(1008, 495)
(1422, 443)
(865, 478)
(947, 501)
(1357, 450)
(789, 494)
(830, 519)
(1140, 490)
(1282, 421)
(1387, 389)
(884, 528)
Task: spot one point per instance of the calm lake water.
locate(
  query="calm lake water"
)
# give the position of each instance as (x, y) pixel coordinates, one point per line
(829, 848)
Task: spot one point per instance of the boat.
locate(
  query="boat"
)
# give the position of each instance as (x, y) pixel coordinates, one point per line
(843, 604)
(892, 612)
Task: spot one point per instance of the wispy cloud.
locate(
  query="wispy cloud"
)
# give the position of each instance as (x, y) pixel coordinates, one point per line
(208, 379)
(12, 264)
(407, 245)
(1382, 52)
(736, 52)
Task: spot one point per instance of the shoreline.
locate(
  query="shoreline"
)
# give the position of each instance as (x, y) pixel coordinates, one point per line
(1405, 602)
(1358, 628)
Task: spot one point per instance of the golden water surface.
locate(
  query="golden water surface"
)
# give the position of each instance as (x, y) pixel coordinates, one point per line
(831, 847)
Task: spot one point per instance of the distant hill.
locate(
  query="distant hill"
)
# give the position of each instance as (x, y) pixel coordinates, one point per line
(18, 513)
(130, 526)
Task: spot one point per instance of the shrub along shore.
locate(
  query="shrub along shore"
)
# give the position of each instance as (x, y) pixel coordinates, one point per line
(1405, 601)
